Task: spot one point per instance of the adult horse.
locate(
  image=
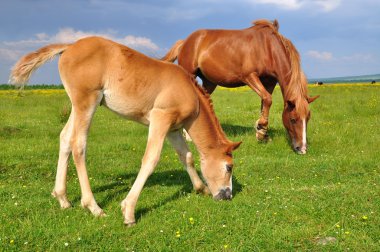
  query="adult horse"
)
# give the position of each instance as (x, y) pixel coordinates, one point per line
(259, 57)
(96, 71)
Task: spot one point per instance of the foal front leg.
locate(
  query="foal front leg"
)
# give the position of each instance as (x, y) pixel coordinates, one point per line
(158, 128)
(187, 160)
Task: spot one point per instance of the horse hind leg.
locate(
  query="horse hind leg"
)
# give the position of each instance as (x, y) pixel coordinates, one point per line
(60, 188)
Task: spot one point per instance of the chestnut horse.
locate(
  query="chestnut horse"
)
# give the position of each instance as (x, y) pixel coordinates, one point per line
(97, 71)
(259, 57)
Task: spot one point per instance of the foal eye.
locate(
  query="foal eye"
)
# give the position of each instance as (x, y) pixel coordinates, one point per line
(229, 154)
(293, 121)
(229, 167)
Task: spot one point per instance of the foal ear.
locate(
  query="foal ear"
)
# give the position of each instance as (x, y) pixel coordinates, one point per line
(311, 99)
(236, 145)
(291, 104)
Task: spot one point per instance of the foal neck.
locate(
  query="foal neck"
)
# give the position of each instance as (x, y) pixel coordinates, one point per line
(205, 129)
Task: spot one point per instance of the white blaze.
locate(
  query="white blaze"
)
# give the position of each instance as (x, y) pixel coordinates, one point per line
(303, 134)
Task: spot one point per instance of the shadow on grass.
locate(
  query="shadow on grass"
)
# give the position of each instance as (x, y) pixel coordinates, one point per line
(237, 130)
(118, 190)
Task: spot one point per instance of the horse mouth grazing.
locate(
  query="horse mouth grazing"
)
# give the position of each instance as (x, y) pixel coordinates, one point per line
(300, 150)
(224, 194)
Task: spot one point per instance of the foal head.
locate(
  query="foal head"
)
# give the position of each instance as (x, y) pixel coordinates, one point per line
(217, 170)
(295, 117)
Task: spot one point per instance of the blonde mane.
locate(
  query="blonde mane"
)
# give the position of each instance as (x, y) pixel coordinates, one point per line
(207, 101)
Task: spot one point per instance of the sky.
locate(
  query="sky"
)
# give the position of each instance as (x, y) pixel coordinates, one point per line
(334, 37)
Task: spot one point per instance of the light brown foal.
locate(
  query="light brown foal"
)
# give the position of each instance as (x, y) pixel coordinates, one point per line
(96, 71)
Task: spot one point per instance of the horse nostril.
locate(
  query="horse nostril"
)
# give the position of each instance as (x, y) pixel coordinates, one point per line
(228, 193)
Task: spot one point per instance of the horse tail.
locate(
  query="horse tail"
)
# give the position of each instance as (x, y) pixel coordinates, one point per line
(172, 55)
(24, 68)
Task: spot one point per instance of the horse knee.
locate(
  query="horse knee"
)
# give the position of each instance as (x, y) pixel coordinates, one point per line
(267, 101)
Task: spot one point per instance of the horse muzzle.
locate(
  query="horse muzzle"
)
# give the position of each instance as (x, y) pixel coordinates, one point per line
(224, 194)
(300, 150)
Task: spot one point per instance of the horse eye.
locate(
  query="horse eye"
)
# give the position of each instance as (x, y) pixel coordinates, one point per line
(293, 121)
(229, 167)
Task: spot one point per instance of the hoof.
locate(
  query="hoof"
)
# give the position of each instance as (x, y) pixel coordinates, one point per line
(263, 137)
(261, 132)
(62, 199)
(203, 190)
(129, 223)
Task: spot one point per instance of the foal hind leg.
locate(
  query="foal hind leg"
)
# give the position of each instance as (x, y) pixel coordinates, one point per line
(59, 191)
(254, 83)
(83, 109)
(186, 158)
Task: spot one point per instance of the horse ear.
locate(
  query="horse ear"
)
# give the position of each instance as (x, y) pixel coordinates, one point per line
(311, 99)
(291, 104)
(236, 145)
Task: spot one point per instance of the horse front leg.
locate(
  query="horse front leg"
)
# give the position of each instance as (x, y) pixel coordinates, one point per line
(262, 124)
(160, 123)
(265, 93)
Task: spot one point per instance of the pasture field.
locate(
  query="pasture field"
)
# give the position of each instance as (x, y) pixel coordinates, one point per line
(282, 201)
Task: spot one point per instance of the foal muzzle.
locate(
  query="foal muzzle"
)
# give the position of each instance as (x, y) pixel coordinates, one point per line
(224, 194)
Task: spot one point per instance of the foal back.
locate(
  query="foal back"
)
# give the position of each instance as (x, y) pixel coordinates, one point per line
(96, 70)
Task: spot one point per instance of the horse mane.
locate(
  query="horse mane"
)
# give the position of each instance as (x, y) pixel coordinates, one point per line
(207, 101)
(297, 79)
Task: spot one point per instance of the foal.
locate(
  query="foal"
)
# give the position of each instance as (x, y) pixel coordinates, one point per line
(96, 71)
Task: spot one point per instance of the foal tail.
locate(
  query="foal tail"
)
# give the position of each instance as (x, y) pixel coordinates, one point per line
(24, 68)
(172, 55)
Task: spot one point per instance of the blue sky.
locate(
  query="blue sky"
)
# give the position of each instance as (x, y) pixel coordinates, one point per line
(334, 37)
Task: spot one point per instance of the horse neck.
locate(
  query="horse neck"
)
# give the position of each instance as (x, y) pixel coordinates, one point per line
(205, 130)
(289, 73)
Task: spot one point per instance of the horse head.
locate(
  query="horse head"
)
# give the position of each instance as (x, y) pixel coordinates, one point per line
(295, 117)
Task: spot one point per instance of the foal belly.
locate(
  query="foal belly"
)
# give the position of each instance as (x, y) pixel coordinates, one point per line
(126, 107)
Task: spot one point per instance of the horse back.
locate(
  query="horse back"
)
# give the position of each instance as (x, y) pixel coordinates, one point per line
(234, 53)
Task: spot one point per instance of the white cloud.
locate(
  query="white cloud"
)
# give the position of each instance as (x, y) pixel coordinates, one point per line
(359, 57)
(325, 56)
(324, 5)
(69, 35)
(9, 54)
(286, 4)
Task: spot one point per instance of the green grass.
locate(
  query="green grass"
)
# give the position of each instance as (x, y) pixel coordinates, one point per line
(282, 201)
